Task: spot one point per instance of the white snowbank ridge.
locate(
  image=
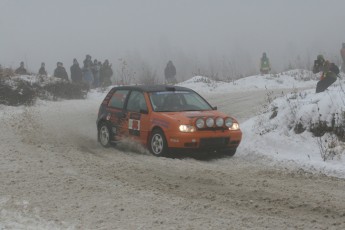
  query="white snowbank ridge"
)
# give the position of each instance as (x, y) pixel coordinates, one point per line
(289, 79)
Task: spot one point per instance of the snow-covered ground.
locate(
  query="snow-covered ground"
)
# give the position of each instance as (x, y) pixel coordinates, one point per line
(56, 176)
(272, 137)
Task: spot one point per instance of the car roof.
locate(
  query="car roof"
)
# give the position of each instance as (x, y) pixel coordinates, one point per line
(153, 88)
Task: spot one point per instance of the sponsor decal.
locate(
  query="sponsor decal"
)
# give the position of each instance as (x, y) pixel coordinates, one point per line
(134, 127)
(174, 140)
(134, 124)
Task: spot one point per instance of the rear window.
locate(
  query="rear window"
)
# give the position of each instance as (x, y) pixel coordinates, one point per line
(117, 100)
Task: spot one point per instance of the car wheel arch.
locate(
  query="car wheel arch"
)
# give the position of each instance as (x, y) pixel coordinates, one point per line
(151, 131)
(161, 144)
(100, 123)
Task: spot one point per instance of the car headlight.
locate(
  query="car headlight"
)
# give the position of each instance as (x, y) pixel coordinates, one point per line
(228, 122)
(187, 128)
(200, 123)
(235, 126)
(219, 122)
(210, 122)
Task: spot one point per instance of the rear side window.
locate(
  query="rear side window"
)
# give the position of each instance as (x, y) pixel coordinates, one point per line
(136, 102)
(117, 100)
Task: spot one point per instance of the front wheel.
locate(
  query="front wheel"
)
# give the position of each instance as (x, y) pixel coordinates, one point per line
(158, 144)
(104, 135)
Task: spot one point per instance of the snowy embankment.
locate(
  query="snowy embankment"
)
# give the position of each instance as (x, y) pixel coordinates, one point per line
(300, 127)
(56, 175)
(289, 79)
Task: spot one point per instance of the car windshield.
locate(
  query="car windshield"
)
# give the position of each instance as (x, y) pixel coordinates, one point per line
(175, 101)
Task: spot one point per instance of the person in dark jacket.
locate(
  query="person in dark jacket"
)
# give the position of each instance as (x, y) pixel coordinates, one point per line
(60, 71)
(88, 61)
(265, 66)
(42, 70)
(21, 69)
(170, 73)
(76, 73)
(105, 74)
(328, 76)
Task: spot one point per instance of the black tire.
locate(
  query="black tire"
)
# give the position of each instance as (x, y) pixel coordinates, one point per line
(104, 135)
(158, 145)
(229, 152)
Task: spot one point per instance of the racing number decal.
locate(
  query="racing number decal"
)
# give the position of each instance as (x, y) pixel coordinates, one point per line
(134, 124)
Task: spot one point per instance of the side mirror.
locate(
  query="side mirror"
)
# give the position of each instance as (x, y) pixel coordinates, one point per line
(214, 108)
(144, 111)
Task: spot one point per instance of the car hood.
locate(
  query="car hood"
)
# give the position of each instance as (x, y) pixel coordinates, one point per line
(191, 115)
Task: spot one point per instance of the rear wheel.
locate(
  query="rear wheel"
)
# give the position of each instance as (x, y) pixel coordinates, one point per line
(158, 144)
(104, 135)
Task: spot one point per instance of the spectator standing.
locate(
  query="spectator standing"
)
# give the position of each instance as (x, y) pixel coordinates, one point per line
(88, 61)
(76, 73)
(87, 74)
(170, 73)
(21, 69)
(265, 66)
(60, 71)
(95, 71)
(342, 53)
(106, 73)
(42, 71)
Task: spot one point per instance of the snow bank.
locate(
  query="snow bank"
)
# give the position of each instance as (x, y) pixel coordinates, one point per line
(289, 79)
(303, 127)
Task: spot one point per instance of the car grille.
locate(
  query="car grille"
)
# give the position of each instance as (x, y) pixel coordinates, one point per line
(214, 142)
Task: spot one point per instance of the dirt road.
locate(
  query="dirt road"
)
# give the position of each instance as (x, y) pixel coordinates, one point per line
(54, 175)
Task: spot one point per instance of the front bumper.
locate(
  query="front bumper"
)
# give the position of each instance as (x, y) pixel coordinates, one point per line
(205, 140)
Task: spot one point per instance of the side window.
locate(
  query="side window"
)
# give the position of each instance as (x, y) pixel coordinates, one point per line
(117, 100)
(136, 102)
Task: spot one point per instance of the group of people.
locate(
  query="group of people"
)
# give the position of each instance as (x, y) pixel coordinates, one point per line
(96, 74)
(93, 73)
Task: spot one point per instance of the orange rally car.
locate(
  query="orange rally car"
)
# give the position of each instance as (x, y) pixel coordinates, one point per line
(165, 118)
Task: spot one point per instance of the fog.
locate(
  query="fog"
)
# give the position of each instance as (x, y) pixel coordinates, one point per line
(213, 37)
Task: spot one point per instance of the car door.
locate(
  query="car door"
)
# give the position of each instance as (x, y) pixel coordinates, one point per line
(137, 117)
(116, 113)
